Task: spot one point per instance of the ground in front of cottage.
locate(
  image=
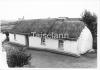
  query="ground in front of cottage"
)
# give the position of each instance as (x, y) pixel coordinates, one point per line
(44, 59)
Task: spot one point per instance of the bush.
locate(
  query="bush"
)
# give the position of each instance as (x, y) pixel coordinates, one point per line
(18, 59)
(91, 21)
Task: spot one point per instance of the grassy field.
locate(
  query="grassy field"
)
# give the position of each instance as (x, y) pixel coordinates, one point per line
(44, 59)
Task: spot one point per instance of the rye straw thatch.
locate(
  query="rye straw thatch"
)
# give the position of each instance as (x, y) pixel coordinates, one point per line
(71, 28)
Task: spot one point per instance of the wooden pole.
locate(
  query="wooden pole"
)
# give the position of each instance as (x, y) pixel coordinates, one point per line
(7, 36)
(27, 40)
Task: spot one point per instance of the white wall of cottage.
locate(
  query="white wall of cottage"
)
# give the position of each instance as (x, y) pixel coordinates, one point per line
(82, 45)
(85, 41)
(19, 38)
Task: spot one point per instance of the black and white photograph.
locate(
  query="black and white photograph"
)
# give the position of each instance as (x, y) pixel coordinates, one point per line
(49, 34)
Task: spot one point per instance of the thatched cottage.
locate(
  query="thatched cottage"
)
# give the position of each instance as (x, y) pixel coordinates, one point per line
(77, 37)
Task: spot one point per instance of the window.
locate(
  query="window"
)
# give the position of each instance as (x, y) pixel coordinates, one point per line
(42, 40)
(60, 44)
(14, 36)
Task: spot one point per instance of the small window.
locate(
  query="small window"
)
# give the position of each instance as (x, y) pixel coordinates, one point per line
(60, 45)
(14, 36)
(42, 40)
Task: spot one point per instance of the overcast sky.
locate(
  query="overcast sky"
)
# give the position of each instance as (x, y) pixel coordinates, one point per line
(30, 9)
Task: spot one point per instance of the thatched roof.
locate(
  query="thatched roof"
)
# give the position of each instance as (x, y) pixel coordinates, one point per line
(59, 26)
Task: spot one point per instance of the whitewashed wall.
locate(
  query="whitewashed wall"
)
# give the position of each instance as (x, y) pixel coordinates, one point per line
(49, 43)
(19, 39)
(35, 42)
(85, 41)
(71, 47)
(82, 45)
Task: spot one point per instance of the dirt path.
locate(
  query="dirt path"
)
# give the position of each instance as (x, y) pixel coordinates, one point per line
(44, 59)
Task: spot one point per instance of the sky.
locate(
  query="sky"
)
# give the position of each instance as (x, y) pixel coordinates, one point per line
(33, 9)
